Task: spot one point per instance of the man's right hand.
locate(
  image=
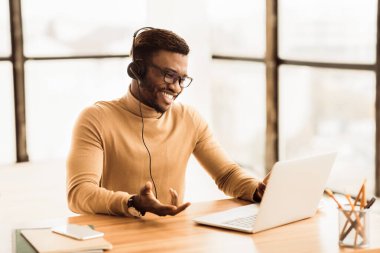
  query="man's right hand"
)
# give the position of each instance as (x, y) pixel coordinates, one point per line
(145, 201)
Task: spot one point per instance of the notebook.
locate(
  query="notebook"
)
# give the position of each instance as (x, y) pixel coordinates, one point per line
(45, 241)
(23, 246)
(293, 192)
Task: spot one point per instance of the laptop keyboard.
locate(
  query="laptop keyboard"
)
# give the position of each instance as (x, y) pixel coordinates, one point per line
(243, 222)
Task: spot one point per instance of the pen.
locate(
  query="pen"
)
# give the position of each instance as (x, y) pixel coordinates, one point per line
(368, 206)
(363, 198)
(355, 202)
(359, 195)
(329, 192)
(357, 221)
(331, 195)
(370, 203)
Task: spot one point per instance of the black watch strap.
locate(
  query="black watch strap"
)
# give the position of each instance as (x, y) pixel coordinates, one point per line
(131, 204)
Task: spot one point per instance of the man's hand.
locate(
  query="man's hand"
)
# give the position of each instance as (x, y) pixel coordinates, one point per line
(146, 201)
(259, 193)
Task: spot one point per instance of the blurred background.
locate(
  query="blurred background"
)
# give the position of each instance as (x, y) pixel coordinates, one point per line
(76, 53)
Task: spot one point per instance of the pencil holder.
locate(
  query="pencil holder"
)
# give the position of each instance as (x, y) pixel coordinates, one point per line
(354, 227)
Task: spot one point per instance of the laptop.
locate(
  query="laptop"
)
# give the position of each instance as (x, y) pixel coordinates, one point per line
(293, 193)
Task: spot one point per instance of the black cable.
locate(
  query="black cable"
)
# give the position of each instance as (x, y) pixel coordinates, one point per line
(146, 147)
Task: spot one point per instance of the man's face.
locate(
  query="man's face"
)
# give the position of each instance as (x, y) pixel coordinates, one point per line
(155, 92)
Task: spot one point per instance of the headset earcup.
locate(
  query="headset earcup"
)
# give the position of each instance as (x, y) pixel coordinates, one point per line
(130, 71)
(136, 70)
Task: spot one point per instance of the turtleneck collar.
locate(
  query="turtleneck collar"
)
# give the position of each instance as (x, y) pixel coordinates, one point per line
(132, 104)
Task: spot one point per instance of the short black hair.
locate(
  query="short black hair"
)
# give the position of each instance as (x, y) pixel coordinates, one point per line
(152, 40)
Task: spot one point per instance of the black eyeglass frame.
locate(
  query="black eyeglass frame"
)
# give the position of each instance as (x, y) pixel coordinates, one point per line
(171, 77)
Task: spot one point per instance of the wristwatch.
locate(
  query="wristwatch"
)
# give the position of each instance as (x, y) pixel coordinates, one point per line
(132, 209)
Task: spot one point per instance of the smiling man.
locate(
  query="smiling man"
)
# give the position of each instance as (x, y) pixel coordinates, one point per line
(129, 155)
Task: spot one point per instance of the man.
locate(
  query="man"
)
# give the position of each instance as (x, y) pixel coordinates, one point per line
(129, 155)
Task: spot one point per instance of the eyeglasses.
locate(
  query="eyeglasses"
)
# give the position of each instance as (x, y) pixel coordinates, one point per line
(171, 77)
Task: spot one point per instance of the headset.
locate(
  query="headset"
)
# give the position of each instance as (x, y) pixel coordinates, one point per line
(136, 70)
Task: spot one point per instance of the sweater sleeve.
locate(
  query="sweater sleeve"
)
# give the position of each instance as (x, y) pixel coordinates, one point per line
(85, 167)
(228, 176)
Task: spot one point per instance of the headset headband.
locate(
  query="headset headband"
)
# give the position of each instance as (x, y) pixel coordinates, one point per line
(135, 35)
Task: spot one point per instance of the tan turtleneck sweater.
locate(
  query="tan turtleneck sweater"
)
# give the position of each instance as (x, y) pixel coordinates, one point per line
(108, 161)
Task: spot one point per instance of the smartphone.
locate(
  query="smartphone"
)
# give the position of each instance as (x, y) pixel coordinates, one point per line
(78, 232)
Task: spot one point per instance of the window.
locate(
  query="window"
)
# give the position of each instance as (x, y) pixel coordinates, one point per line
(5, 41)
(330, 110)
(237, 27)
(72, 30)
(238, 87)
(238, 104)
(54, 99)
(7, 130)
(80, 27)
(335, 35)
(328, 31)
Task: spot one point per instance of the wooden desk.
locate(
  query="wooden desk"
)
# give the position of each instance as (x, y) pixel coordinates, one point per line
(181, 234)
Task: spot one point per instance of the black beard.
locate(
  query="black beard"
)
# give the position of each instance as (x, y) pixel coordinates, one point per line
(151, 103)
